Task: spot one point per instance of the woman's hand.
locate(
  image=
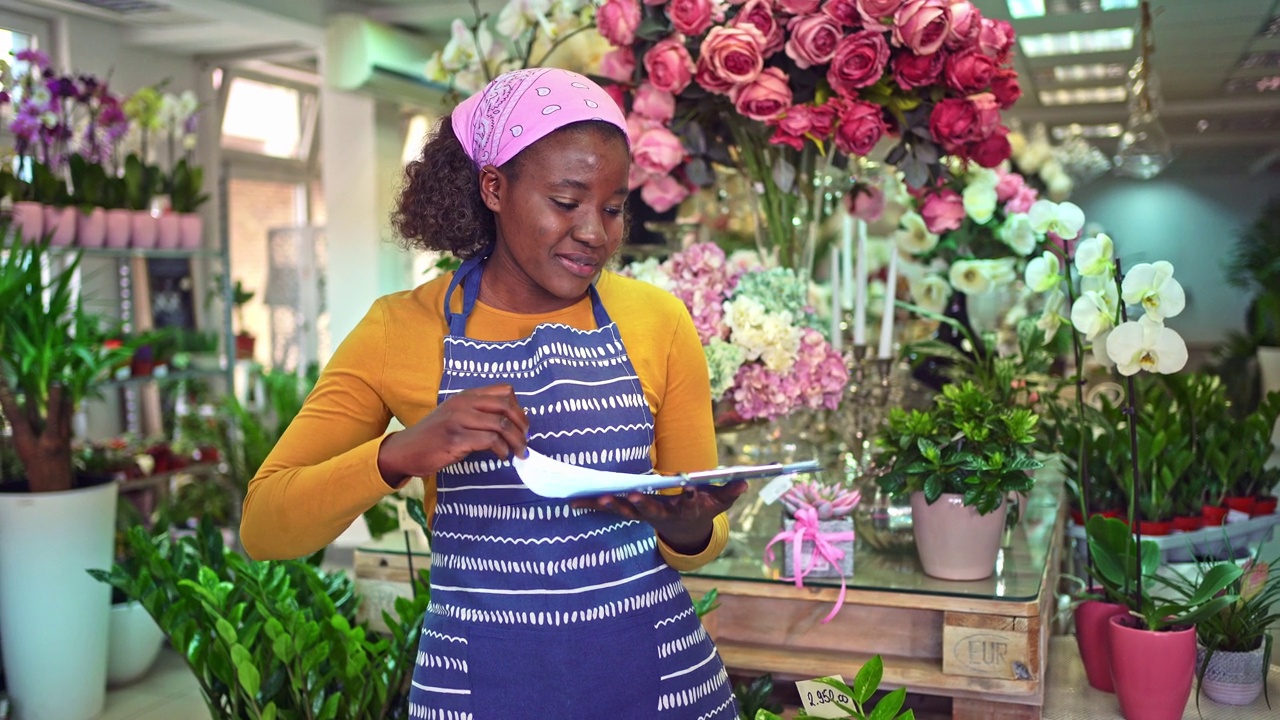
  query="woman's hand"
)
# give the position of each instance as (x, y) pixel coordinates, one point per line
(483, 418)
(682, 521)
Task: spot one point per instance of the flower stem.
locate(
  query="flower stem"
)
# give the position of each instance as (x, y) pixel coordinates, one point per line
(1135, 507)
(1082, 458)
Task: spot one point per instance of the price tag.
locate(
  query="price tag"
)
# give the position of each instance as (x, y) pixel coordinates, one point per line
(820, 699)
(1236, 516)
(776, 488)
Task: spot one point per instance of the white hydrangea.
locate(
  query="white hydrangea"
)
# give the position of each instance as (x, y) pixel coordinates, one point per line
(769, 337)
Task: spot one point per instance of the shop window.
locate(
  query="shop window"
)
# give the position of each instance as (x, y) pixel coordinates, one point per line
(266, 119)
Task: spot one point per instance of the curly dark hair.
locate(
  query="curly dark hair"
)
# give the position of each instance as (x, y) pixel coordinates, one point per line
(440, 207)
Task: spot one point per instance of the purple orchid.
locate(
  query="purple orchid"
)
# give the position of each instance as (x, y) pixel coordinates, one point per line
(33, 57)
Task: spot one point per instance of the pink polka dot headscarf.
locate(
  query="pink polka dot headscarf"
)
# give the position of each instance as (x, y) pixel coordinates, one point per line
(520, 107)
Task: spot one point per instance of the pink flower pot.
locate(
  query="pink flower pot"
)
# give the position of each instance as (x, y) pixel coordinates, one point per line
(954, 541)
(60, 225)
(142, 229)
(1093, 627)
(191, 231)
(119, 228)
(167, 231)
(91, 228)
(29, 216)
(1152, 671)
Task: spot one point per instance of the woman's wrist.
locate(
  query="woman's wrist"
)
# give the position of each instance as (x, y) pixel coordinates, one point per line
(388, 468)
(688, 539)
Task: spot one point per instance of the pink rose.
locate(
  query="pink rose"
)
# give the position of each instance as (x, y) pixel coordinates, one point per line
(861, 127)
(942, 211)
(824, 119)
(970, 71)
(764, 98)
(844, 12)
(798, 7)
(965, 23)
(691, 17)
(637, 177)
(652, 102)
(619, 64)
(760, 14)
(638, 125)
(1005, 87)
(663, 193)
(730, 56)
(790, 129)
(813, 39)
(922, 25)
(859, 61)
(875, 12)
(866, 202)
(1009, 185)
(913, 71)
(656, 2)
(995, 39)
(669, 66)
(617, 21)
(658, 150)
(1022, 201)
(991, 150)
(956, 122)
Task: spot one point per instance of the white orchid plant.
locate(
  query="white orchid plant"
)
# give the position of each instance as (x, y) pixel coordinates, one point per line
(524, 34)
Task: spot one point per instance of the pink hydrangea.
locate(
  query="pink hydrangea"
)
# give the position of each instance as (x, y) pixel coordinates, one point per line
(701, 279)
(817, 380)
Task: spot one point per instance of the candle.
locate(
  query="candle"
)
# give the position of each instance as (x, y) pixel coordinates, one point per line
(846, 263)
(860, 294)
(886, 318)
(836, 310)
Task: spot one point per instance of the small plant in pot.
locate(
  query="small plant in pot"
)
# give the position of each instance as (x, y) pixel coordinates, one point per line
(959, 460)
(245, 341)
(817, 530)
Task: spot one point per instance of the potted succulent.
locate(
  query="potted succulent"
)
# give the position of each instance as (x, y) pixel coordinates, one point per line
(817, 530)
(52, 356)
(959, 460)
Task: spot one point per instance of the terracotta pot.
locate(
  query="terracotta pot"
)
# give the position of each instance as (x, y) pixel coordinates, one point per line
(142, 229)
(1092, 620)
(60, 225)
(1241, 504)
(1232, 678)
(1213, 516)
(1188, 524)
(244, 346)
(29, 216)
(954, 541)
(91, 228)
(1155, 528)
(119, 228)
(168, 232)
(1264, 506)
(1152, 671)
(190, 231)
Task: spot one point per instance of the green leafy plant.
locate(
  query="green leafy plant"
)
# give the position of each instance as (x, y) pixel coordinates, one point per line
(1254, 265)
(141, 183)
(859, 705)
(271, 640)
(88, 183)
(756, 697)
(967, 443)
(186, 185)
(47, 187)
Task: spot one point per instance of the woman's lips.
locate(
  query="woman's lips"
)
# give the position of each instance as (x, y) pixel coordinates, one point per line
(580, 265)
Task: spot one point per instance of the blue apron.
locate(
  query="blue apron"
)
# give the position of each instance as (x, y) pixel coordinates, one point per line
(540, 610)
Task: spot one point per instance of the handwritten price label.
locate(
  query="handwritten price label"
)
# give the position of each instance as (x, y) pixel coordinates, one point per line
(820, 699)
(776, 488)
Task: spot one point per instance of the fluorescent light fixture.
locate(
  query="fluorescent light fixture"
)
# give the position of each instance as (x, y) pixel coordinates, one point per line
(1084, 96)
(1026, 8)
(1077, 43)
(1118, 4)
(1020, 9)
(1091, 71)
(1108, 130)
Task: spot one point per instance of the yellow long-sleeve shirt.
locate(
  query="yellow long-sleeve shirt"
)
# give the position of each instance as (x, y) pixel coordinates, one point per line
(324, 471)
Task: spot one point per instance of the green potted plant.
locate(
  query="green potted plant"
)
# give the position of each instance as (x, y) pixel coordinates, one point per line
(186, 195)
(88, 185)
(53, 355)
(119, 217)
(1252, 267)
(196, 350)
(49, 188)
(141, 183)
(856, 701)
(245, 341)
(959, 461)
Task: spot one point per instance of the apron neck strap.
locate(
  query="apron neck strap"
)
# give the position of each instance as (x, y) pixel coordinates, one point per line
(473, 266)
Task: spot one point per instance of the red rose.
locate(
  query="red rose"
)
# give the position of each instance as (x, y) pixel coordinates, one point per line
(957, 122)
(760, 14)
(824, 119)
(617, 21)
(691, 17)
(798, 7)
(730, 56)
(875, 12)
(861, 127)
(764, 98)
(791, 127)
(995, 39)
(970, 71)
(859, 61)
(813, 39)
(844, 12)
(913, 71)
(992, 151)
(922, 25)
(1005, 87)
(965, 23)
(669, 66)
(618, 95)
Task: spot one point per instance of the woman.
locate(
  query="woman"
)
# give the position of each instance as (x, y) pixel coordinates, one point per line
(538, 608)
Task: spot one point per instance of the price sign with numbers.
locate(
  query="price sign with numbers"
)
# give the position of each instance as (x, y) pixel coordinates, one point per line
(820, 699)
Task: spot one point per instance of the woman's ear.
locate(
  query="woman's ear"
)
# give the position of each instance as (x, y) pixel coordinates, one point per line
(492, 187)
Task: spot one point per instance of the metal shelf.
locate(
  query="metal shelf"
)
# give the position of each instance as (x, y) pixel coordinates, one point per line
(132, 252)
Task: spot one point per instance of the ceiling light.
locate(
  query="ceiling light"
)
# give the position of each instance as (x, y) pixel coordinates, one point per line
(1026, 8)
(1144, 150)
(1118, 4)
(1091, 71)
(1020, 9)
(1107, 130)
(1084, 96)
(1077, 43)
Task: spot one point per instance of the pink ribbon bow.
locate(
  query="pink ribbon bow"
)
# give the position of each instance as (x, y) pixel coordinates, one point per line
(806, 528)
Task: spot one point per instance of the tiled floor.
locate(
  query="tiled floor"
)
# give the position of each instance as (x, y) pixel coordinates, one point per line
(168, 692)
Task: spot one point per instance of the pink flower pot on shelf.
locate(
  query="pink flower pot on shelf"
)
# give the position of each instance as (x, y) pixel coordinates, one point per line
(1152, 671)
(119, 228)
(191, 231)
(60, 225)
(167, 231)
(1093, 627)
(29, 216)
(954, 541)
(143, 229)
(91, 228)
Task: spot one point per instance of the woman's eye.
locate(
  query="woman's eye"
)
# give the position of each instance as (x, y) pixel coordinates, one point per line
(615, 211)
(565, 205)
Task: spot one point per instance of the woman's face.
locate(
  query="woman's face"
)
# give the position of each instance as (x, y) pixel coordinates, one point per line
(559, 219)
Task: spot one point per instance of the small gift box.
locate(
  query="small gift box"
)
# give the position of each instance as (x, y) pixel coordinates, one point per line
(825, 550)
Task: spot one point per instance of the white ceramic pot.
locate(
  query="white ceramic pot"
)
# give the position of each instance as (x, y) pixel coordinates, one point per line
(142, 229)
(91, 228)
(60, 225)
(1232, 678)
(119, 228)
(167, 231)
(54, 617)
(954, 541)
(134, 643)
(29, 216)
(191, 230)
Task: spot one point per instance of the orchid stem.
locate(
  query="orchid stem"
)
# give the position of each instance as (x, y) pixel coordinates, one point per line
(1135, 507)
(1082, 458)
